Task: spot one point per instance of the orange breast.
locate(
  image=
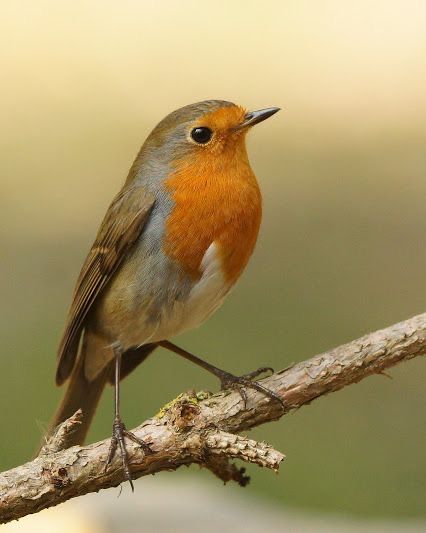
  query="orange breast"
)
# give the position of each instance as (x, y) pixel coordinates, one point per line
(216, 200)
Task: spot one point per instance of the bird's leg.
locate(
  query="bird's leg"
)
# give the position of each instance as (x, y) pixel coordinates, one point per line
(227, 380)
(119, 431)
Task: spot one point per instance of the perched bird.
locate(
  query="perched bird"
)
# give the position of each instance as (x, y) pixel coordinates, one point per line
(173, 242)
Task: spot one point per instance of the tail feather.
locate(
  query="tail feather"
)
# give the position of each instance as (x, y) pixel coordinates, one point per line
(80, 394)
(85, 394)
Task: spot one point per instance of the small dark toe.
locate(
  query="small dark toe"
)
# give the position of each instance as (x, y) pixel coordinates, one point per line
(267, 392)
(258, 372)
(229, 381)
(145, 447)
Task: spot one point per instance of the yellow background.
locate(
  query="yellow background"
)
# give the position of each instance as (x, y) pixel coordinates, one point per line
(342, 248)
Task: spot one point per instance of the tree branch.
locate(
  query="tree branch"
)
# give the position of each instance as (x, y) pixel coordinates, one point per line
(200, 428)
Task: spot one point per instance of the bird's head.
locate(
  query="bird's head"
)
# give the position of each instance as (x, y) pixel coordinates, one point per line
(210, 132)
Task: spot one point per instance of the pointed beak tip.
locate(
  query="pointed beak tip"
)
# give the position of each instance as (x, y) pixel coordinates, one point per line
(255, 117)
(269, 111)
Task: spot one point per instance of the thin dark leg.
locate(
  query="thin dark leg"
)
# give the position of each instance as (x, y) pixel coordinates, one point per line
(117, 384)
(228, 380)
(119, 430)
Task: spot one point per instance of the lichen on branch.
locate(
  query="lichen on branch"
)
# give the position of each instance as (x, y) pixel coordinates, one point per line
(202, 428)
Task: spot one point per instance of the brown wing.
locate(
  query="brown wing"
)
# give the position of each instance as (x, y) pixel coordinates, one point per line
(122, 225)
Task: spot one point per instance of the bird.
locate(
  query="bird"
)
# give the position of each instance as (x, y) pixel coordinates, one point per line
(172, 244)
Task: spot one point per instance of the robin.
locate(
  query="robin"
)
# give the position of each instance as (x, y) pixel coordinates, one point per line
(172, 244)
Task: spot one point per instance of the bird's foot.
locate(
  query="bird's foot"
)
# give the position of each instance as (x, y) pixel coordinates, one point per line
(239, 383)
(119, 433)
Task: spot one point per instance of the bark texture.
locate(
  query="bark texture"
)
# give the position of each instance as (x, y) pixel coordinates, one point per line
(202, 428)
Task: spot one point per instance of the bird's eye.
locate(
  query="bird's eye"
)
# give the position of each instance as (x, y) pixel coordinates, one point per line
(201, 135)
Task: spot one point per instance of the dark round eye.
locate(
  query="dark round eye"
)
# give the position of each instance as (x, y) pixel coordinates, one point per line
(201, 135)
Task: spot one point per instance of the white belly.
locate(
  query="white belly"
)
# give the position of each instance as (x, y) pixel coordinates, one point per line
(204, 298)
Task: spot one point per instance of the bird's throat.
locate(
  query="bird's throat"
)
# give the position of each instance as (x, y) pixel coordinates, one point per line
(213, 203)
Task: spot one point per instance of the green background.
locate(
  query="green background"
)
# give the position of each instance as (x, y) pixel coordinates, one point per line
(342, 246)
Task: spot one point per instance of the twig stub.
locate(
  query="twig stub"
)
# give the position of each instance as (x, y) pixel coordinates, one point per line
(201, 428)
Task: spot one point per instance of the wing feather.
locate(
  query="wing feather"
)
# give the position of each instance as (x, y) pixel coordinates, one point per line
(122, 225)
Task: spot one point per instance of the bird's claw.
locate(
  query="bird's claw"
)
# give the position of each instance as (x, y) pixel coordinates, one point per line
(229, 381)
(119, 433)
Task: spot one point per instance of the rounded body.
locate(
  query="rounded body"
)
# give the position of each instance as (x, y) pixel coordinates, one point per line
(174, 240)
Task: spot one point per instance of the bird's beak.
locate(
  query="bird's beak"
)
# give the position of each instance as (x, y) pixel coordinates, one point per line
(254, 117)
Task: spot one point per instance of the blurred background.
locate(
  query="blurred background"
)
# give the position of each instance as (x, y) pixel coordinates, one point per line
(342, 247)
